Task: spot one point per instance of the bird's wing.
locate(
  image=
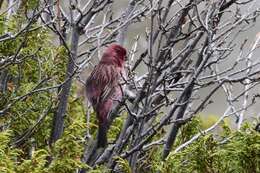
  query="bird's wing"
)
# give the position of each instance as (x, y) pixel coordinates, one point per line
(111, 83)
(102, 83)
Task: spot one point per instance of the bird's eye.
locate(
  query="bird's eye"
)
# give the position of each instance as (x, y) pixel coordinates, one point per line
(118, 51)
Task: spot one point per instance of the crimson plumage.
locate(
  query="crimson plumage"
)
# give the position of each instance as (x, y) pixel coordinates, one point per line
(103, 89)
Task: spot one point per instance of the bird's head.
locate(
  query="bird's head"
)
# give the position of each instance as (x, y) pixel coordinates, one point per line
(114, 53)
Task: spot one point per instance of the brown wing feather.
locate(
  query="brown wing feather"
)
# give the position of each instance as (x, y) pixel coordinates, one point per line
(101, 83)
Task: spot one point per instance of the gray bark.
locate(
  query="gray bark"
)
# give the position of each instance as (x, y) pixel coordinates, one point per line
(58, 121)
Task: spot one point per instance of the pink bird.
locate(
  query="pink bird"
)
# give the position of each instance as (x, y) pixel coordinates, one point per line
(103, 89)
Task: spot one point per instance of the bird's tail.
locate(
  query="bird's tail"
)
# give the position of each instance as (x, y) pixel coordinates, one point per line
(102, 135)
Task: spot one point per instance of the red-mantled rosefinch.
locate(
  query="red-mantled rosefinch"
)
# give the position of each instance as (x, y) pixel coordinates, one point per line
(103, 89)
